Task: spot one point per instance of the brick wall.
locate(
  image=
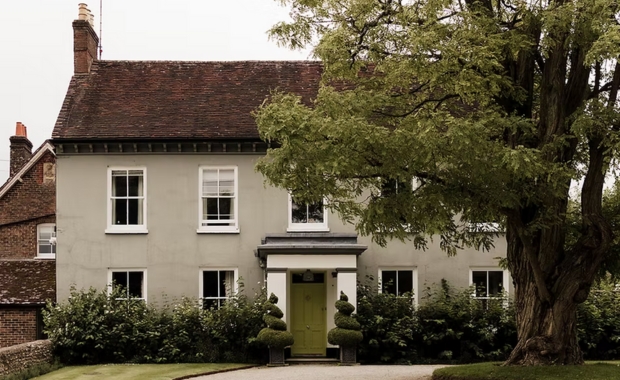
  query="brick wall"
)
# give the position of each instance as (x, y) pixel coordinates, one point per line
(18, 358)
(32, 197)
(17, 325)
(19, 240)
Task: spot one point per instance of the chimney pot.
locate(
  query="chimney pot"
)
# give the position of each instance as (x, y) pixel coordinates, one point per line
(21, 149)
(85, 41)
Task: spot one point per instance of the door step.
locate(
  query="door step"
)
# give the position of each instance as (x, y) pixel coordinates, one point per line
(310, 360)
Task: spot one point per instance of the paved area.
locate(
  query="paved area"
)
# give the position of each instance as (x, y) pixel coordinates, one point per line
(330, 372)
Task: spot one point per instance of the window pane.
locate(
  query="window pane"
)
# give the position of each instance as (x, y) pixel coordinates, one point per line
(405, 282)
(209, 183)
(210, 303)
(299, 213)
(135, 211)
(119, 185)
(389, 281)
(227, 182)
(226, 208)
(119, 279)
(315, 213)
(45, 248)
(479, 278)
(212, 208)
(496, 282)
(135, 284)
(119, 211)
(210, 284)
(135, 185)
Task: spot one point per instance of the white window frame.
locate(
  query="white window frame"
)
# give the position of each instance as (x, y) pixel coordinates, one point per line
(218, 229)
(127, 229)
(235, 288)
(52, 240)
(144, 280)
(303, 227)
(414, 278)
(505, 279)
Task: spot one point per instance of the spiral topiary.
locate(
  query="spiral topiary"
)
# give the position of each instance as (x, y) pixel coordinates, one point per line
(275, 334)
(347, 331)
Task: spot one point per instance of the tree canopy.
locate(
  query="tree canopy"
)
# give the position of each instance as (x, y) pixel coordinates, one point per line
(434, 116)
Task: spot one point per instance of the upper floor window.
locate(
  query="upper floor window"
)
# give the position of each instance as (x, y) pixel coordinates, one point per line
(391, 186)
(127, 200)
(130, 283)
(217, 286)
(46, 241)
(218, 199)
(306, 217)
(488, 282)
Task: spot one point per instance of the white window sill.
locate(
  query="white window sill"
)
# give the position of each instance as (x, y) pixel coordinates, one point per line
(126, 232)
(45, 257)
(307, 228)
(208, 231)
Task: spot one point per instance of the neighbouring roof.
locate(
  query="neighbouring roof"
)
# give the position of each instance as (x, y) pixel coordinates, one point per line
(27, 282)
(177, 100)
(36, 156)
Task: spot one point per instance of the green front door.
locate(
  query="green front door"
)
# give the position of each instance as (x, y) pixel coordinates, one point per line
(308, 323)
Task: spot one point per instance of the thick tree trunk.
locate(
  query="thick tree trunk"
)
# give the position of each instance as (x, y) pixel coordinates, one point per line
(547, 331)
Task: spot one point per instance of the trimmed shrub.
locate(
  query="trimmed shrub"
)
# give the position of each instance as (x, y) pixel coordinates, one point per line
(93, 327)
(347, 331)
(275, 334)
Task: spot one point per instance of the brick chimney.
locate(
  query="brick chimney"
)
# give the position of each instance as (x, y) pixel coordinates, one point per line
(85, 41)
(21, 149)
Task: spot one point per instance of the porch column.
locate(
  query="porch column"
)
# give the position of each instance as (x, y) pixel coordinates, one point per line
(276, 284)
(347, 283)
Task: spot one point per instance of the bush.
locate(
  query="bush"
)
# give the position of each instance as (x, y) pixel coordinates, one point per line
(449, 326)
(599, 323)
(347, 331)
(275, 334)
(93, 327)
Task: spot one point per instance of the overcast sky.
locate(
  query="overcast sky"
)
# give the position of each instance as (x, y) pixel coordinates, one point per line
(36, 45)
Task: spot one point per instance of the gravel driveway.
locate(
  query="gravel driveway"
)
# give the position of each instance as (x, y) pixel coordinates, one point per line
(331, 372)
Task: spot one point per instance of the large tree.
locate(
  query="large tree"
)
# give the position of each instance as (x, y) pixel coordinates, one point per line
(493, 108)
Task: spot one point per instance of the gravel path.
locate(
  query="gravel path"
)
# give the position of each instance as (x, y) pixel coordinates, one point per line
(331, 372)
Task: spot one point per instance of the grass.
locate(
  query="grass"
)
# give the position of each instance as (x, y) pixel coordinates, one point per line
(137, 371)
(493, 371)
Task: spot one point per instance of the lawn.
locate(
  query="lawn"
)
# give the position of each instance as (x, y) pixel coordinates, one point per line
(136, 371)
(493, 371)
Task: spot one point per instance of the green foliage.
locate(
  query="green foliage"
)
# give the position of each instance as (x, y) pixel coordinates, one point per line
(599, 323)
(275, 334)
(347, 331)
(94, 327)
(449, 326)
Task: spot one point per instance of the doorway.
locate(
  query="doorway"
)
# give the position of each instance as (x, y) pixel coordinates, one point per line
(308, 314)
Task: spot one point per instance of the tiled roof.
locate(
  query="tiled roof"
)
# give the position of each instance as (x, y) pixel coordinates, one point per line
(27, 281)
(177, 100)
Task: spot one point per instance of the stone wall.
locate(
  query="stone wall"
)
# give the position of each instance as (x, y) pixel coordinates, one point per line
(19, 358)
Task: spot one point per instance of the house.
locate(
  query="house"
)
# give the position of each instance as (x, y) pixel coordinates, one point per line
(157, 192)
(27, 230)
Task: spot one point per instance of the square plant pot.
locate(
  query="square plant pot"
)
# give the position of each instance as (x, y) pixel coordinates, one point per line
(276, 357)
(348, 355)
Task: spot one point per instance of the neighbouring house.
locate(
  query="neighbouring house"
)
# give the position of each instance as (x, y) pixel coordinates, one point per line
(157, 192)
(27, 234)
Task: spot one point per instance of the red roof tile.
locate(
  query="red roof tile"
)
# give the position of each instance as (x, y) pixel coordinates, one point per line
(177, 100)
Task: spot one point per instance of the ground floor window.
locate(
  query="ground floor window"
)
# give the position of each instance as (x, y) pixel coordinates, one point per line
(488, 282)
(217, 286)
(132, 283)
(397, 281)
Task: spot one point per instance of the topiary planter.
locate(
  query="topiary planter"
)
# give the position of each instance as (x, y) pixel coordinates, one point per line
(348, 355)
(276, 357)
(347, 332)
(275, 335)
